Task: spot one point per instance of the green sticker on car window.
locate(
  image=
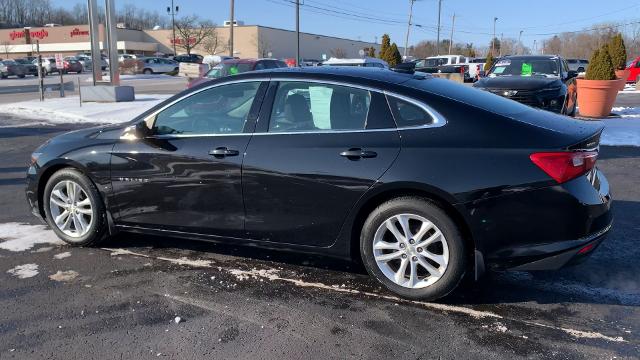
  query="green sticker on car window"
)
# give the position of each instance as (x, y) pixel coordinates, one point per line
(527, 69)
(233, 70)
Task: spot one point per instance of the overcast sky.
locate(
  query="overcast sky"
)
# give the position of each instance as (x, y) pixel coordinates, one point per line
(368, 19)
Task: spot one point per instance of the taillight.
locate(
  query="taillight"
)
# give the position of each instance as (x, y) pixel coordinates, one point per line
(565, 165)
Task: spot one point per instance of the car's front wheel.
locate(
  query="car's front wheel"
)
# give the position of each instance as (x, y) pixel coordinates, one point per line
(74, 209)
(413, 248)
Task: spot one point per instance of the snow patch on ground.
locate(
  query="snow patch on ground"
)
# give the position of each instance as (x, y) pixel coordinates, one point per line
(622, 131)
(62, 255)
(24, 271)
(21, 237)
(68, 109)
(180, 261)
(64, 275)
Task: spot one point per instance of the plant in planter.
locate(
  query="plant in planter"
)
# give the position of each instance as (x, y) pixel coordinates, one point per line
(598, 90)
(618, 53)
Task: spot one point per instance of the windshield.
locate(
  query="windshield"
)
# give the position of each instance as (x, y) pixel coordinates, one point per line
(431, 62)
(22, 61)
(9, 62)
(525, 67)
(221, 70)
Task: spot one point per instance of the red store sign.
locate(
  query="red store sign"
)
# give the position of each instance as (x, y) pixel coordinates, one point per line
(179, 41)
(34, 34)
(78, 32)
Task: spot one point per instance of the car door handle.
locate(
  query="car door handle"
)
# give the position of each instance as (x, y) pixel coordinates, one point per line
(223, 151)
(357, 153)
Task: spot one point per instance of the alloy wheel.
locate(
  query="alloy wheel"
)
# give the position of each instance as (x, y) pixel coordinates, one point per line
(410, 251)
(71, 208)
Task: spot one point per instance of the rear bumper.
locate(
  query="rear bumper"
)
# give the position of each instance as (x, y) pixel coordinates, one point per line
(544, 228)
(557, 260)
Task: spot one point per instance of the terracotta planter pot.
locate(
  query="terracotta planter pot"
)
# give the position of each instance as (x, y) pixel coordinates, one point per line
(623, 74)
(596, 97)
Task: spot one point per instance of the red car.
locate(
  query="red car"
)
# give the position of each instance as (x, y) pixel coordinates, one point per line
(236, 66)
(634, 70)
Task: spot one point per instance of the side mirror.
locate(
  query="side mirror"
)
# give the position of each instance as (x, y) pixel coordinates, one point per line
(572, 74)
(138, 131)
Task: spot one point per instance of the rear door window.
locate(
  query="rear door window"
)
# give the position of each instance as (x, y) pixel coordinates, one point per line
(302, 106)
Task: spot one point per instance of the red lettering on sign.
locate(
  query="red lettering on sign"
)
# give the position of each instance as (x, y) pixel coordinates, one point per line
(78, 32)
(178, 41)
(38, 34)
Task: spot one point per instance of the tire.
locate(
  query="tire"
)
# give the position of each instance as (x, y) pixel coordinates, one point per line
(147, 72)
(428, 286)
(95, 229)
(21, 76)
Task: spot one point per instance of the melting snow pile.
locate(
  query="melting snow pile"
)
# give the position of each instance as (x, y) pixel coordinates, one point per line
(21, 237)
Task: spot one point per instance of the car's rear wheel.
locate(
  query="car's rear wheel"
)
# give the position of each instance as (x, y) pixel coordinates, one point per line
(74, 209)
(147, 72)
(413, 248)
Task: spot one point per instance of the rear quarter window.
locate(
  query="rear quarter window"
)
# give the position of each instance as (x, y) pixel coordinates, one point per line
(408, 114)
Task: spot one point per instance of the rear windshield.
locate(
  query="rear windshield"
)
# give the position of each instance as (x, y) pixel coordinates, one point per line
(221, 70)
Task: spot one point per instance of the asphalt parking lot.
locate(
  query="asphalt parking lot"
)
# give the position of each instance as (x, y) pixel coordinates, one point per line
(121, 301)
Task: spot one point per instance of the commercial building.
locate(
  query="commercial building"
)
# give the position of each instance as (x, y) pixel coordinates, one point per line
(250, 41)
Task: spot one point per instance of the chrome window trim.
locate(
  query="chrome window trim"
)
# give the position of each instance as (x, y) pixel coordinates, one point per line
(438, 119)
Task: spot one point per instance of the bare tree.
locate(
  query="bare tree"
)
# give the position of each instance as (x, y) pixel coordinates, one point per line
(212, 44)
(339, 53)
(6, 47)
(191, 31)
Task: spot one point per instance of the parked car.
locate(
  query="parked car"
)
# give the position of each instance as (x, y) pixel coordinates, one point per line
(72, 64)
(579, 65)
(48, 65)
(421, 178)
(124, 57)
(634, 70)
(237, 66)
(543, 81)
(29, 68)
(11, 68)
(191, 58)
(155, 65)
(87, 62)
(363, 62)
(213, 60)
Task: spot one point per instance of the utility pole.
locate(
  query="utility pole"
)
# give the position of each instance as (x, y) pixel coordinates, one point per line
(438, 39)
(493, 41)
(172, 11)
(297, 32)
(535, 47)
(520, 47)
(501, 39)
(231, 31)
(453, 23)
(406, 40)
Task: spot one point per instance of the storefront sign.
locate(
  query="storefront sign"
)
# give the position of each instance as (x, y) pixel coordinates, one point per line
(179, 41)
(34, 34)
(78, 32)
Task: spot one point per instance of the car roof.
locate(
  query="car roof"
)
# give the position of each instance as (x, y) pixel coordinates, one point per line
(532, 57)
(355, 74)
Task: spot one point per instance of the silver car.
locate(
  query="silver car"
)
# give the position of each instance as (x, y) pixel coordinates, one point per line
(579, 65)
(156, 65)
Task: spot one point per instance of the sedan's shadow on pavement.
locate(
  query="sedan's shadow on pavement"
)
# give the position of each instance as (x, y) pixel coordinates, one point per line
(608, 277)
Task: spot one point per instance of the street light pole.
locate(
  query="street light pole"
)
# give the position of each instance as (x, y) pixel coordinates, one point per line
(438, 40)
(453, 24)
(520, 47)
(172, 11)
(231, 31)
(297, 32)
(493, 41)
(406, 40)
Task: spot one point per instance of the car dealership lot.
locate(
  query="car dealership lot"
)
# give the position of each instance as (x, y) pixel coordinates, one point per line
(121, 301)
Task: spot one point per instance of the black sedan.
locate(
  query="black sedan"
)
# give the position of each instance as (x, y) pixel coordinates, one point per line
(543, 81)
(423, 179)
(29, 67)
